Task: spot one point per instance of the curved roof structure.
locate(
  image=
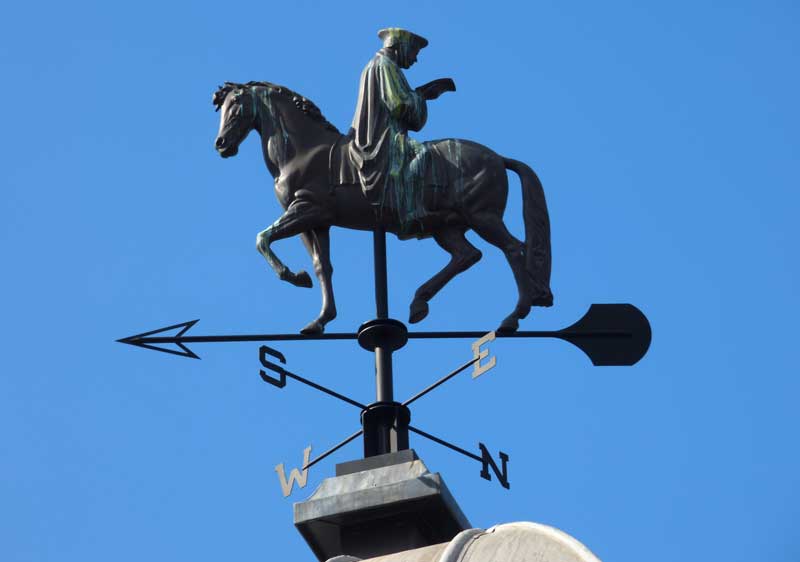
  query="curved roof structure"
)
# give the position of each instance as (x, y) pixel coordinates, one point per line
(509, 542)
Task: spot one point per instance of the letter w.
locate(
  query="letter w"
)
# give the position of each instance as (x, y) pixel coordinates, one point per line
(294, 476)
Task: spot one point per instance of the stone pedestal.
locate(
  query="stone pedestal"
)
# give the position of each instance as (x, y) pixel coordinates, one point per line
(378, 506)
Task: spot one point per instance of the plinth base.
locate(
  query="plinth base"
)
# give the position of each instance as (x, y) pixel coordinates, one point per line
(377, 506)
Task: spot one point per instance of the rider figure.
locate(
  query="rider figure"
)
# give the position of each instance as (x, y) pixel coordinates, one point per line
(390, 164)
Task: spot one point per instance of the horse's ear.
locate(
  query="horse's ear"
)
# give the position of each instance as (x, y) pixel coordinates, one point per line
(219, 97)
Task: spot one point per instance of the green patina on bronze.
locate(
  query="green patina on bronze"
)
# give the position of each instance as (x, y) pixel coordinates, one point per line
(279, 142)
(402, 40)
(406, 172)
(393, 168)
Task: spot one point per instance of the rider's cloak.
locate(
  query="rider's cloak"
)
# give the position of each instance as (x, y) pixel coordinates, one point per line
(387, 109)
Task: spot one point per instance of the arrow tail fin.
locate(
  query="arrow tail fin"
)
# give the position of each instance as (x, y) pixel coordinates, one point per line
(610, 334)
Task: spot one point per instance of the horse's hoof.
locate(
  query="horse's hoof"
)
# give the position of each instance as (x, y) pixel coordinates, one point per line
(419, 310)
(508, 325)
(313, 328)
(543, 299)
(302, 279)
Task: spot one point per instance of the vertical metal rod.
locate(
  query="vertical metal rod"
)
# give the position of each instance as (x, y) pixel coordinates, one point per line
(383, 375)
(383, 356)
(381, 288)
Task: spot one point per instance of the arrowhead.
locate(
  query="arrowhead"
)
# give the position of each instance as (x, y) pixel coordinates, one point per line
(147, 341)
(611, 334)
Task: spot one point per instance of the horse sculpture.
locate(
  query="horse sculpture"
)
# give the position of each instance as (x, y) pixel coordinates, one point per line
(299, 147)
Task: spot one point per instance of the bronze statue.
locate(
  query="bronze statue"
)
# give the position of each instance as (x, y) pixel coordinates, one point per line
(378, 177)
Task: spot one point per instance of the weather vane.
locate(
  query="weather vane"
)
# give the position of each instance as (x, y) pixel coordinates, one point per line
(377, 178)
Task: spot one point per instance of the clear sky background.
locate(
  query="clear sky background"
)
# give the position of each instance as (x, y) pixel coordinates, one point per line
(666, 136)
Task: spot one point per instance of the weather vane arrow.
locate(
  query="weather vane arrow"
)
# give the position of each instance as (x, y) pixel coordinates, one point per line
(609, 334)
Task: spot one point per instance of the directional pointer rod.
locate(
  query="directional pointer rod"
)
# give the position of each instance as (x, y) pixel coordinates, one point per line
(485, 458)
(280, 381)
(609, 334)
(441, 381)
(332, 450)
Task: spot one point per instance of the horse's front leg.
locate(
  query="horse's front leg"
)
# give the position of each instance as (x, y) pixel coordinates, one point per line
(291, 223)
(317, 242)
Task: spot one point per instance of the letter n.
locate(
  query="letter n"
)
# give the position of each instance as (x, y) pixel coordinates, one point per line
(294, 476)
(487, 461)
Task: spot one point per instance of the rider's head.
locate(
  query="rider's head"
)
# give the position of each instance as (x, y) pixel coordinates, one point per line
(404, 44)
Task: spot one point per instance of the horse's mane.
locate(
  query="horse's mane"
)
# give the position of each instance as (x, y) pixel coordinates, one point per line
(301, 102)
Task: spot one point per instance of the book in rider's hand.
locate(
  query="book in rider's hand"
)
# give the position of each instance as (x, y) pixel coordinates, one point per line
(436, 88)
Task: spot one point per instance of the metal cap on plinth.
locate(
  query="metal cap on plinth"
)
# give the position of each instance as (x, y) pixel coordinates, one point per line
(377, 506)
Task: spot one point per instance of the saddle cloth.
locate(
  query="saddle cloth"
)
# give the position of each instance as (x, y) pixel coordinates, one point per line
(439, 169)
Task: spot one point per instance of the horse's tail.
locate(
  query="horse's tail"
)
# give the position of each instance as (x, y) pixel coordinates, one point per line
(537, 232)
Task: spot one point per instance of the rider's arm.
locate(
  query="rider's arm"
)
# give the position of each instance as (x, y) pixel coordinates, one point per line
(402, 102)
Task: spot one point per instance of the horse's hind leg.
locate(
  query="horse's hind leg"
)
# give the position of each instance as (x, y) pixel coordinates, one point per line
(491, 228)
(463, 255)
(317, 242)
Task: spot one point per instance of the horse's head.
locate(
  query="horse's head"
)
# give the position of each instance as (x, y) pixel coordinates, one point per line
(236, 118)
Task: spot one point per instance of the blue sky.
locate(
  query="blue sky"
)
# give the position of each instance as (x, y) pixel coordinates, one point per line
(665, 135)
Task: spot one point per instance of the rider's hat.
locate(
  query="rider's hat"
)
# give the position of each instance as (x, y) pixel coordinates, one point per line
(393, 36)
